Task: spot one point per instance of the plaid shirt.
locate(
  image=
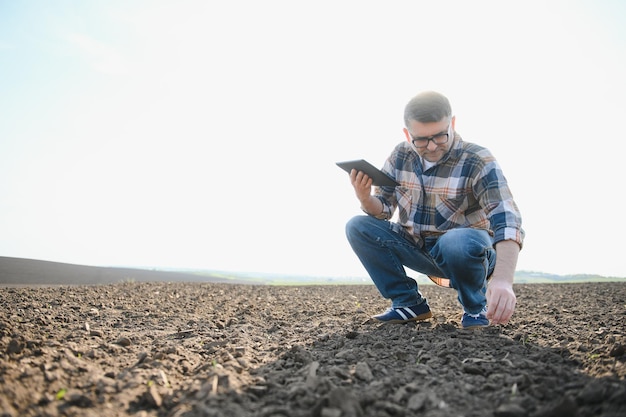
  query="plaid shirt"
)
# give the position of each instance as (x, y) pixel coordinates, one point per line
(466, 188)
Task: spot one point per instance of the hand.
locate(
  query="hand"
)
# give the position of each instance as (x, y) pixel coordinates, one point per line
(362, 184)
(500, 301)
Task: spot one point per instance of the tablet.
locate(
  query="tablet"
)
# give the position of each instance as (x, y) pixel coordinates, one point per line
(378, 177)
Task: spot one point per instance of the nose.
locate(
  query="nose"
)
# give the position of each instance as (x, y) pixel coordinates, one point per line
(431, 145)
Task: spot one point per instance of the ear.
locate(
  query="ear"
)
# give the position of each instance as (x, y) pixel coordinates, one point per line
(452, 121)
(406, 133)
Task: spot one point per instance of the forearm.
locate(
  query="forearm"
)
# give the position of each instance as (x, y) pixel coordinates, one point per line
(372, 205)
(507, 252)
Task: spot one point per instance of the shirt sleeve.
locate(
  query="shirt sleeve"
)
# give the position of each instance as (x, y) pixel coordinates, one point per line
(495, 197)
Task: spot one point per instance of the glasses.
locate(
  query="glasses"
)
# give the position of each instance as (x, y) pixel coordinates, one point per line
(438, 139)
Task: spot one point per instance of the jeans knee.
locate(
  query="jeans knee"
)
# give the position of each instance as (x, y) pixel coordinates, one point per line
(461, 246)
(355, 227)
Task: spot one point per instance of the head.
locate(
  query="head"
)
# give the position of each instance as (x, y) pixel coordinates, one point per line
(429, 125)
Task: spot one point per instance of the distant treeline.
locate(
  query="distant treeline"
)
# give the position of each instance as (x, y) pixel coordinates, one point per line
(529, 277)
(19, 271)
(521, 277)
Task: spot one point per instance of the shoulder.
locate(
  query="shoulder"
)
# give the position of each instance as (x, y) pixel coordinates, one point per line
(403, 153)
(402, 158)
(474, 153)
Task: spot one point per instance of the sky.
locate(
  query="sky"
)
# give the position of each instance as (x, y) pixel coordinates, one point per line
(204, 134)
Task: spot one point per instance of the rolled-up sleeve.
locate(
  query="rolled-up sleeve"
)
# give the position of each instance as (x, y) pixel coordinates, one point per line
(497, 200)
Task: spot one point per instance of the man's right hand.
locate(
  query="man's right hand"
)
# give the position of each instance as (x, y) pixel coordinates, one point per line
(363, 188)
(362, 185)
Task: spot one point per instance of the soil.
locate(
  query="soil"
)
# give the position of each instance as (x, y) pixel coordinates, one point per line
(214, 349)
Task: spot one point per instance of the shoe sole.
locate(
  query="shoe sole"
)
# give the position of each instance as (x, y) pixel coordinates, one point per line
(476, 326)
(421, 317)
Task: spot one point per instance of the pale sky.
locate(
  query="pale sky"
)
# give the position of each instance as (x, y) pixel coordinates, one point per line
(204, 134)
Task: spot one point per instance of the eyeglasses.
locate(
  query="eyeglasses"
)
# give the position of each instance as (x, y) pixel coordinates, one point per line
(438, 139)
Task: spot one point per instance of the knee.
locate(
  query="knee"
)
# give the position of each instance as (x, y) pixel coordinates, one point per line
(355, 226)
(462, 245)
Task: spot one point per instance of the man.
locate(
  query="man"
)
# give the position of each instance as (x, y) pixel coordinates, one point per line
(457, 221)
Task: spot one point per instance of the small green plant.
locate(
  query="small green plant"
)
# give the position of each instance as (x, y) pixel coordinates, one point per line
(419, 357)
(528, 338)
(61, 394)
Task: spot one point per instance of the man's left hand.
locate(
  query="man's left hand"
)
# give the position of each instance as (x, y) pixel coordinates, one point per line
(500, 301)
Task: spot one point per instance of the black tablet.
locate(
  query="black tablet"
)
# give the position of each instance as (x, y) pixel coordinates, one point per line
(378, 177)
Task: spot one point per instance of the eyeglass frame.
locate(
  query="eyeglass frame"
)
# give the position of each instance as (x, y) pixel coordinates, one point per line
(429, 138)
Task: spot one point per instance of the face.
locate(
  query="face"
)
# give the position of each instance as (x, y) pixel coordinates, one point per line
(432, 152)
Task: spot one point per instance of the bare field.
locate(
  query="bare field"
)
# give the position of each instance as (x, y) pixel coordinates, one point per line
(216, 349)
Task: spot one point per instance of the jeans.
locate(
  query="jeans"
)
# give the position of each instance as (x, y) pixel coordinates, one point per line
(465, 256)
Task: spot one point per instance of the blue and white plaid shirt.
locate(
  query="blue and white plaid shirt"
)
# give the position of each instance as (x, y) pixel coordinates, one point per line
(466, 188)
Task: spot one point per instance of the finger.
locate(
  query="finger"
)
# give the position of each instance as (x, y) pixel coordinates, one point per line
(356, 178)
(504, 312)
(492, 304)
(509, 310)
(363, 180)
(496, 312)
(508, 313)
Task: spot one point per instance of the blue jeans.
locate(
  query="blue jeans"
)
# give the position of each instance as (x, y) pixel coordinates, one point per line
(465, 256)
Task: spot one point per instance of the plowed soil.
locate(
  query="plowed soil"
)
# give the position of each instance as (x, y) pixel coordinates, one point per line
(214, 349)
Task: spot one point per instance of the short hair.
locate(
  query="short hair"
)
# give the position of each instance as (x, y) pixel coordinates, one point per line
(427, 107)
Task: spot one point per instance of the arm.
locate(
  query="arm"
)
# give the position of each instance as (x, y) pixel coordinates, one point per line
(495, 198)
(500, 296)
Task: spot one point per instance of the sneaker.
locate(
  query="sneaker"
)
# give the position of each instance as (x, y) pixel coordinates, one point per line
(472, 321)
(405, 314)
